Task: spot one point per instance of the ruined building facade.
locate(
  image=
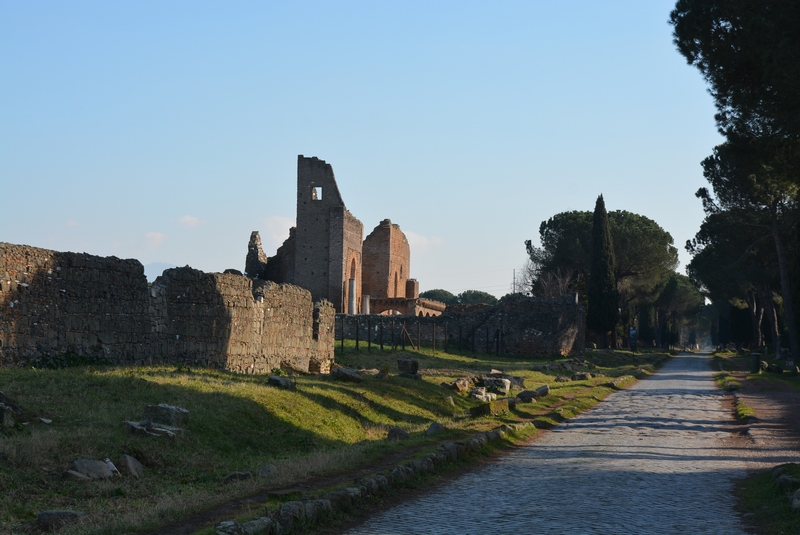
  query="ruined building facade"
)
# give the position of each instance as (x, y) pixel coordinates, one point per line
(326, 253)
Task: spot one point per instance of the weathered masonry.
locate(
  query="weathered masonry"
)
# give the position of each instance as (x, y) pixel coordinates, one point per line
(326, 253)
(54, 303)
(517, 325)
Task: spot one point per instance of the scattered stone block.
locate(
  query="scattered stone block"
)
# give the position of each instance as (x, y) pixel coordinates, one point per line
(368, 484)
(280, 382)
(408, 366)
(491, 408)
(291, 514)
(345, 374)
(131, 466)
(166, 414)
(228, 527)
(92, 469)
(316, 509)
(481, 394)
(148, 428)
(526, 397)
(530, 396)
(461, 385)
(260, 526)
(396, 433)
(450, 449)
(340, 500)
(266, 471)
(435, 428)
(399, 475)
(581, 376)
(497, 384)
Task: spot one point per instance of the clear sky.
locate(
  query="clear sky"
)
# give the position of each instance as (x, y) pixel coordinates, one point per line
(168, 131)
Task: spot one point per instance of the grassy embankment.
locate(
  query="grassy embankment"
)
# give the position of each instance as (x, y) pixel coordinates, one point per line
(238, 422)
(760, 496)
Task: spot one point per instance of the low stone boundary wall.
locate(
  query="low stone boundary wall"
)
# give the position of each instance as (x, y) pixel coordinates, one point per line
(518, 325)
(300, 514)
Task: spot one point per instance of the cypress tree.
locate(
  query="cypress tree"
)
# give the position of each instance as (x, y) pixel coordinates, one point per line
(602, 292)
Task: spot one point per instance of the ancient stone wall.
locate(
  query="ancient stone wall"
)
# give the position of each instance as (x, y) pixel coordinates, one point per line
(387, 261)
(518, 325)
(53, 303)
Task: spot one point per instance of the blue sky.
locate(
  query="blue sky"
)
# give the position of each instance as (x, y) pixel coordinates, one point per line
(168, 131)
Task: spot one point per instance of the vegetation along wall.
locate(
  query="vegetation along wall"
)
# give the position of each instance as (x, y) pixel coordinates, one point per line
(54, 303)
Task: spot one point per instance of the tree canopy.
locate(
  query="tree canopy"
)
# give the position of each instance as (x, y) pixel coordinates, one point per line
(748, 52)
(643, 251)
(467, 297)
(440, 295)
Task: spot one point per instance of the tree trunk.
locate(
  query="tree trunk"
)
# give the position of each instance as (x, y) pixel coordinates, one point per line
(656, 327)
(756, 317)
(772, 317)
(786, 291)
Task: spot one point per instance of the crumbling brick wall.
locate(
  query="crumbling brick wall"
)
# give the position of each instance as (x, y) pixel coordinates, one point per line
(328, 238)
(387, 261)
(53, 303)
(517, 325)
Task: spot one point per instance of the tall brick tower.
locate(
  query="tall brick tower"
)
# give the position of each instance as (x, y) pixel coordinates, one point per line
(329, 238)
(387, 262)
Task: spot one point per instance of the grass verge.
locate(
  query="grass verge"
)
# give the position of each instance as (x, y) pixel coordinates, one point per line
(765, 505)
(239, 422)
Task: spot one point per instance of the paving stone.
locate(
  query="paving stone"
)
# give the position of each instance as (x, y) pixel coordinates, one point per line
(654, 459)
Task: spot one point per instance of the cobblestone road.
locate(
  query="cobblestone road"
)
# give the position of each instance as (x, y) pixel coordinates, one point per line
(658, 458)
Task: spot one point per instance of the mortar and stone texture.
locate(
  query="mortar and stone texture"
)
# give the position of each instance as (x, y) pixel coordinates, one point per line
(56, 303)
(517, 325)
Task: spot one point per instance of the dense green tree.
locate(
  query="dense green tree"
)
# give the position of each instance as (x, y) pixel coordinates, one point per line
(440, 295)
(734, 260)
(603, 311)
(644, 253)
(476, 297)
(755, 175)
(748, 52)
